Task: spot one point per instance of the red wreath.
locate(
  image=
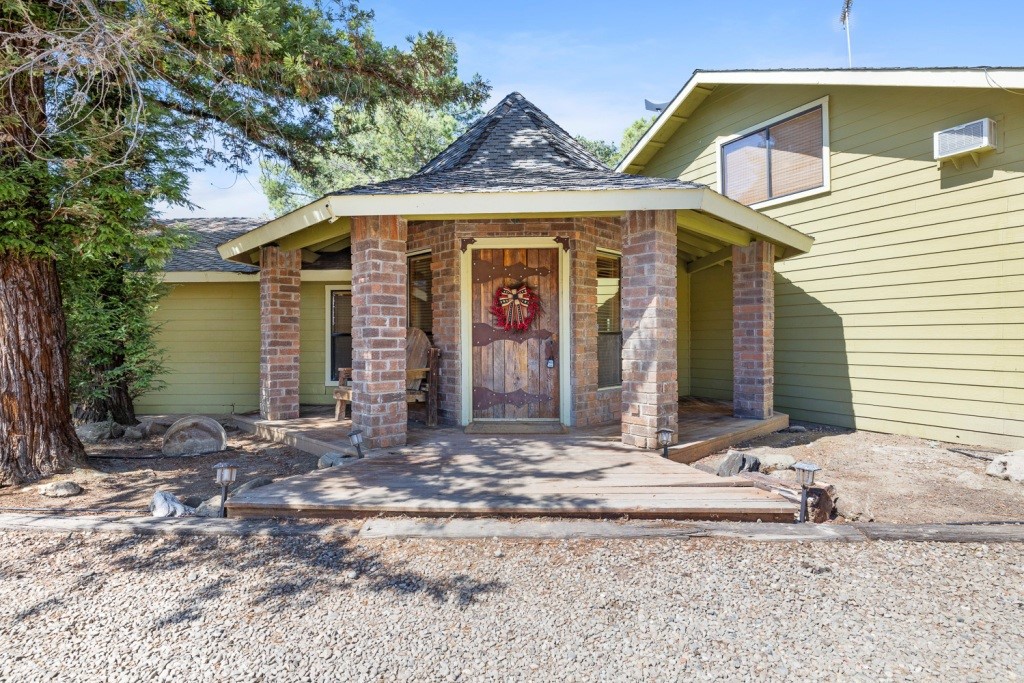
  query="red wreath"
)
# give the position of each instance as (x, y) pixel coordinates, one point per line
(515, 307)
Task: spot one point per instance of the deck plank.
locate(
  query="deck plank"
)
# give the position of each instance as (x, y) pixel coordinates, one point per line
(587, 473)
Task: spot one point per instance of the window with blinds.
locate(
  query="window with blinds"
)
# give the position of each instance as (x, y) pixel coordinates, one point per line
(609, 321)
(421, 301)
(340, 331)
(780, 159)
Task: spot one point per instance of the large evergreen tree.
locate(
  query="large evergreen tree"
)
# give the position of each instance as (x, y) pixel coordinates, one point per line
(85, 86)
(391, 140)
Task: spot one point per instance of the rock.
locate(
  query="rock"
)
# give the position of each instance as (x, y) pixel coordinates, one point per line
(771, 462)
(116, 430)
(1009, 466)
(332, 459)
(134, 434)
(166, 504)
(94, 432)
(60, 489)
(736, 462)
(209, 507)
(151, 428)
(250, 485)
(794, 429)
(195, 435)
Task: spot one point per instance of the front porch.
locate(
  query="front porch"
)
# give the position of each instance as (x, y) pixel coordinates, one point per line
(553, 289)
(587, 472)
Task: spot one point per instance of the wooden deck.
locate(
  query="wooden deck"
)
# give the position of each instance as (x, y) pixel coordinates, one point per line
(587, 473)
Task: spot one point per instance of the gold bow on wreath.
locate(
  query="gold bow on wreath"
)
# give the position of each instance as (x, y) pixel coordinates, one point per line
(515, 307)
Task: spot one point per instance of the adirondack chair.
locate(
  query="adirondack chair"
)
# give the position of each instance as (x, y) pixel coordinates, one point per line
(421, 374)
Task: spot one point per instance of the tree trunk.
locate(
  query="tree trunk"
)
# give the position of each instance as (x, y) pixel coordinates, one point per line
(117, 405)
(37, 438)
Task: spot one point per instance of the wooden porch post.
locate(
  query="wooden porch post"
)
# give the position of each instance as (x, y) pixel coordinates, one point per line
(378, 329)
(753, 330)
(280, 279)
(650, 386)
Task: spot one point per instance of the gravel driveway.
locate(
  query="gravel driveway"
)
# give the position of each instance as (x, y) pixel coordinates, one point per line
(99, 607)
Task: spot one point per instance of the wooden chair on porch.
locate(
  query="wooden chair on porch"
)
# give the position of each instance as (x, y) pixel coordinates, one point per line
(421, 375)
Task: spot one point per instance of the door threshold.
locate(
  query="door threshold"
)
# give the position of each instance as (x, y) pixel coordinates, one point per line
(512, 427)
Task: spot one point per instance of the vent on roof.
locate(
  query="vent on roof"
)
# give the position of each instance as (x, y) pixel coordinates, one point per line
(969, 138)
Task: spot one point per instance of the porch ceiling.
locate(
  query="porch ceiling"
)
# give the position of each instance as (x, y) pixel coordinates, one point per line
(708, 222)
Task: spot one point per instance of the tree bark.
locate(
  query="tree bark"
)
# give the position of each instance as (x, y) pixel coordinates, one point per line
(117, 405)
(37, 438)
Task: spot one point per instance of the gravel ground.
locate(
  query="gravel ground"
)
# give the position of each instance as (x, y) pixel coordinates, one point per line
(129, 472)
(894, 478)
(125, 608)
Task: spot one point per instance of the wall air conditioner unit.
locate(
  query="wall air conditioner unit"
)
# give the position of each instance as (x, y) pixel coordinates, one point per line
(967, 139)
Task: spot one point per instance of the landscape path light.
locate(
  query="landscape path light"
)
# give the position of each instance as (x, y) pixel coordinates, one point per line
(805, 475)
(226, 474)
(664, 440)
(356, 437)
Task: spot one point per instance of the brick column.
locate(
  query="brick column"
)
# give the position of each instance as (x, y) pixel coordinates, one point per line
(378, 329)
(280, 277)
(753, 330)
(650, 387)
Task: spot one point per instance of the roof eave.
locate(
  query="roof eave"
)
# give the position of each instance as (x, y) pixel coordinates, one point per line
(701, 83)
(331, 214)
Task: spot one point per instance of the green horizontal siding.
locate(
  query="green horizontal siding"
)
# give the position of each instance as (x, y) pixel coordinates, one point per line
(907, 316)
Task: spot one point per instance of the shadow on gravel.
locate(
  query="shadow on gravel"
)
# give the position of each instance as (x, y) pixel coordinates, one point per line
(275, 573)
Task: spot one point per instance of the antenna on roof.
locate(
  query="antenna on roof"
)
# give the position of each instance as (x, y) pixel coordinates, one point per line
(844, 17)
(654, 106)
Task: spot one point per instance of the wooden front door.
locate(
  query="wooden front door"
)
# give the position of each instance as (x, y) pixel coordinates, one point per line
(515, 374)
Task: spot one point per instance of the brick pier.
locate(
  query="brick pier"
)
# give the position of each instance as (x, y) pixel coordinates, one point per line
(280, 275)
(650, 387)
(378, 329)
(753, 330)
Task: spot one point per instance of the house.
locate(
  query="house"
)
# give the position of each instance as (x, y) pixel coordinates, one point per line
(210, 324)
(516, 201)
(908, 315)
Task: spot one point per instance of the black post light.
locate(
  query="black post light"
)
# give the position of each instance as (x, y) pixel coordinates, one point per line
(805, 475)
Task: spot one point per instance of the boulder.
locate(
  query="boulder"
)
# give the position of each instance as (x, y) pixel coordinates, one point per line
(771, 462)
(209, 507)
(332, 459)
(736, 462)
(1008, 466)
(94, 432)
(250, 485)
(60, 489)
(166, 504)
(194, 435)
(152, 428)
(134, 434)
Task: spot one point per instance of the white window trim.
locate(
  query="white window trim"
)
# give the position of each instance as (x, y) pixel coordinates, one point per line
(329, 290)
(826, 164)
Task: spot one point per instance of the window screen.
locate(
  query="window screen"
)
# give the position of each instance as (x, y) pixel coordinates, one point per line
(421, 299)
(341, 332)
(777, 160)
(609, 321)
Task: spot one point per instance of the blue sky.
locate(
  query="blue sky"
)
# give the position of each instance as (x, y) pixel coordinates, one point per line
(590, 64)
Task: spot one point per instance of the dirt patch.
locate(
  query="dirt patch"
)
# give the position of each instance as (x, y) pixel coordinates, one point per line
(897, 479)
(125, 474)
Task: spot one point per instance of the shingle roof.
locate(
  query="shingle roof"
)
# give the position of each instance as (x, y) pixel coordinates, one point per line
(515, 147)
(207, 233)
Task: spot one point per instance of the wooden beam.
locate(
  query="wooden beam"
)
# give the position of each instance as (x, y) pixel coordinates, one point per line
(720, 256)
(705, 245)
(314, 234)
(309, 256)
(332, 244)
(709, 227)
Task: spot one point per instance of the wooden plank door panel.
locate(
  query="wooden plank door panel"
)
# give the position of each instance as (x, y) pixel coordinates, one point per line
(511, 377)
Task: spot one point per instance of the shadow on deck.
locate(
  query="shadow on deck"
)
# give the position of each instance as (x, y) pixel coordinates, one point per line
(585, 473)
